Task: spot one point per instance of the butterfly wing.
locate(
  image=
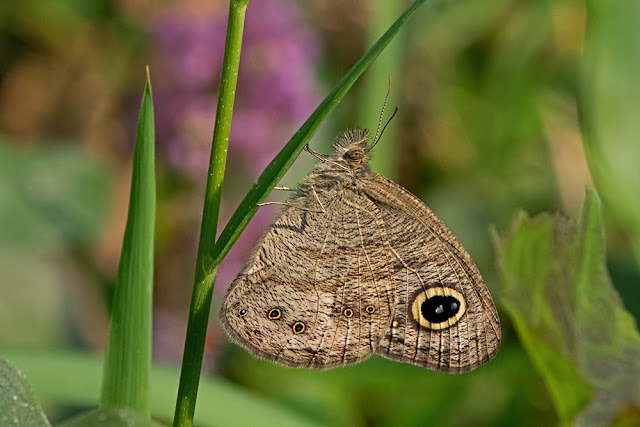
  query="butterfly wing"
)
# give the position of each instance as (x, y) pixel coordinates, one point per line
(317, 292)
(444, 318)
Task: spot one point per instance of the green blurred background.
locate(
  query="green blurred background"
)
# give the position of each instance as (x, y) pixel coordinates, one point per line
(488, 124)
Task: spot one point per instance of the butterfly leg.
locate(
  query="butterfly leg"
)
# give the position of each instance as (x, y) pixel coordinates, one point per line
(295, 206)
(288, 204)
(319, 156)
(324, 158)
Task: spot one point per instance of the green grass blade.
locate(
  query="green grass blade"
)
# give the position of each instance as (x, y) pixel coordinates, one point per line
(285, 158)
(205, 271)
(128, 356)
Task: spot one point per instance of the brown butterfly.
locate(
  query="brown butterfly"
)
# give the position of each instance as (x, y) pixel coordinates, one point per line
(356, 265)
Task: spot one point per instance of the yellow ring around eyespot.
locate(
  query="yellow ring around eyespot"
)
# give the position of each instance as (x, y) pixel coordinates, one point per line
(304, 327)
(431, 292)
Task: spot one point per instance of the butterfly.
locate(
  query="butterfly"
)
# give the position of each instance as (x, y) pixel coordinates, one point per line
(355, 265)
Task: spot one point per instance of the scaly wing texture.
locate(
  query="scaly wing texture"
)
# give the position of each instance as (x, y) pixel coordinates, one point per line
(327, 276)
(427, 255)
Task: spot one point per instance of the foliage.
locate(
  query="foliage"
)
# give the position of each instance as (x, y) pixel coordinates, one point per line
(18, 405)
(569, 316)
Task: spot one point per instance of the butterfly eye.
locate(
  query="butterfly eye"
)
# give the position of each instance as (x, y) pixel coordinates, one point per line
(354, 154)
(298, 327)
(274, 314)
(242, 312)
(438, 307)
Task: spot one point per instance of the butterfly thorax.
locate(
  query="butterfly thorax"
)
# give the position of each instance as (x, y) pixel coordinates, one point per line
(345, 166)
(326, 176)
(332, 175)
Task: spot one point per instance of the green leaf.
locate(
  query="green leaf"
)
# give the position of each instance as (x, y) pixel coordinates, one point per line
(569, 316)
(18, 405)
(610, 104)
(128, 356)
(73, 379)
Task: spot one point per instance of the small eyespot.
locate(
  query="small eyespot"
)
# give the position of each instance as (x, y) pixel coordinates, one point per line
(274, 314)
(236, 304)
(370, 309)
(243, 312)
(299, 327)
(348, 312)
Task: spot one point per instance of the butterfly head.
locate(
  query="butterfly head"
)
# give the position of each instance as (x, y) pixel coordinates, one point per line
(351, 148)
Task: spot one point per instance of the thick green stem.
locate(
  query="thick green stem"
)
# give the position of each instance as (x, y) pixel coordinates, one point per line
(205, 272)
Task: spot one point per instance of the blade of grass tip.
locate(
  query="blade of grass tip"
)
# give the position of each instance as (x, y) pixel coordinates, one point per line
(128, 355)
(205, 271)
(285, 158)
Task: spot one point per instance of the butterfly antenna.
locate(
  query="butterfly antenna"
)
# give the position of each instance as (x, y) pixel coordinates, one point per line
(375, 139)
(385, 126)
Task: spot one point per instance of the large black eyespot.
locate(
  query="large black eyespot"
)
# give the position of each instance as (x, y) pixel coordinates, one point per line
(274, 314)
(348, 312)
(440, 308)
(298, 327)
(370, 309)
(242, 312)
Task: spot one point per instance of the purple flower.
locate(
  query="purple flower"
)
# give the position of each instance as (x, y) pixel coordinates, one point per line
(276, 86)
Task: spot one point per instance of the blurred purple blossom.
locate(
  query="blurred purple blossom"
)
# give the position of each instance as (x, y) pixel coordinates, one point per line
(276, 85)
